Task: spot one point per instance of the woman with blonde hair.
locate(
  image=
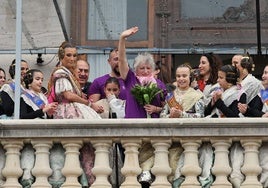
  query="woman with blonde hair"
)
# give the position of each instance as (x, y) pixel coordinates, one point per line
(65, 89)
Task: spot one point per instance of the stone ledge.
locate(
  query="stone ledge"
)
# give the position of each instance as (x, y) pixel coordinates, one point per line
(119, 128)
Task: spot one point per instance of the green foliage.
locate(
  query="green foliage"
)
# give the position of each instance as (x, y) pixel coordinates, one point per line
(146, 93)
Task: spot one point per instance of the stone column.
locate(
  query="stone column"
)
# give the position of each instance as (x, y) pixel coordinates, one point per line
(101, 167)
(72, 168)
(12, 170)
(131, 168)
(221, 168)
(191, 167)
(251, 167)
(41, 169)
(161, 168)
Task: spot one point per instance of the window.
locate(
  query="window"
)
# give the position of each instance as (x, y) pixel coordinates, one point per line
(206, 8)
(108, 18)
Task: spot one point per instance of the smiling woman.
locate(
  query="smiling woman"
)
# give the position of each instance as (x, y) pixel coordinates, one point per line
(190, 105)
(143, 70)
(65, 89)
(190, 99)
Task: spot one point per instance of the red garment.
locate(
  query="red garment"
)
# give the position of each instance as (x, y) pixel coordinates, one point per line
(201, 84)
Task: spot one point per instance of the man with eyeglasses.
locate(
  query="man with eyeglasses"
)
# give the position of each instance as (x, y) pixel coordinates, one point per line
(82, 69)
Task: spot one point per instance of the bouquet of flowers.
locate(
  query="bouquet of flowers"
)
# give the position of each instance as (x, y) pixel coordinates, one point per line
(146, 92)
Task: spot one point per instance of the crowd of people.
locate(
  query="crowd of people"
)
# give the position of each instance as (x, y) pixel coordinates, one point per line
(212, 90)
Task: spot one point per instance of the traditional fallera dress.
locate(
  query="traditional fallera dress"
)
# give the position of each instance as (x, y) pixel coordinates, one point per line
(251, 86)
(64, 81)
(31, 105)
(227, 106)
(7, 94)
(191, 101)
(192, 104)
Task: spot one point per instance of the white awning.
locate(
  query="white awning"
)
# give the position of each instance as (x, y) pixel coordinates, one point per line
(41, 27)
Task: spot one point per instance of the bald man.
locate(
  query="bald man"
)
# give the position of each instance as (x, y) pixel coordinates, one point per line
(82, 69)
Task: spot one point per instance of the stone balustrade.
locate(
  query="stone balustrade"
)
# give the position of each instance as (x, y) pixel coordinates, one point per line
(43, 137)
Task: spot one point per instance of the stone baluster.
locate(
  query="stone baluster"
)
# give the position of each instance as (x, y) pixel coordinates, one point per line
(12, 170)
(2, 164)
(72, 168)
(161, 168)
(101, 167)
(251, 167)
(131, 168)
(221, 168)
(191, 167)
(42, 169)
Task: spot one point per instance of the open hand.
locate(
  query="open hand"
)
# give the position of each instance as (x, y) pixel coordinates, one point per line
(129, 32)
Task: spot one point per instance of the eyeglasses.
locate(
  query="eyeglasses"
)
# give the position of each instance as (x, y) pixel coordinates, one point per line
(83, 70)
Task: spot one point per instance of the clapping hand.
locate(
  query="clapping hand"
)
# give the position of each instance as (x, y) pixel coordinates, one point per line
(175, 113)
(242, 107)
(50, 108)
(216, 96)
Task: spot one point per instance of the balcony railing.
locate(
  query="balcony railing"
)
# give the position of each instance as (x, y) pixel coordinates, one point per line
(44, 135)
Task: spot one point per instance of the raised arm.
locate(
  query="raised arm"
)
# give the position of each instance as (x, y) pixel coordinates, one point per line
(123, 65)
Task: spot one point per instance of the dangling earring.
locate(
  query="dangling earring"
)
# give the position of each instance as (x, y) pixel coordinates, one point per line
(229, 85)
(253, 67)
